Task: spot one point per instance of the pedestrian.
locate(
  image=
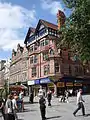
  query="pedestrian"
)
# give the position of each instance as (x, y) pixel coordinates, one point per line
(67, 95)
(9, 115)
(42, 103)
(31, 97)
(21, 97)
(49, 97)
(80, 103)
(15, 107)
(40, 94)
(2, 104)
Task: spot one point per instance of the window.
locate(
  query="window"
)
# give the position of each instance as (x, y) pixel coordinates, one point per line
(45, 56)
(46, 42)
(56, 67)
(42, 43)
(70, 70)
(31, 48)
(51, 51)
(31, 38)
(50, 31)
(41, 32)
(76, 70)
(34, 72)
(46, 69)
(35, 47)
(35, 59)
(31, 60)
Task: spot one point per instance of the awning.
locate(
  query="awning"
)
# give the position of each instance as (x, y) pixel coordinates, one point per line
(18, 87)
(45, 80)
(37, 81)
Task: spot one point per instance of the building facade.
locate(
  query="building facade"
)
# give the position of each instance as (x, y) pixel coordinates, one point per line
(41, 63)
(47, 65)
(19, 66)
(2, 70)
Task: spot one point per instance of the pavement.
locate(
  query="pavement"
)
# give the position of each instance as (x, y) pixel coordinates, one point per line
(58, 111)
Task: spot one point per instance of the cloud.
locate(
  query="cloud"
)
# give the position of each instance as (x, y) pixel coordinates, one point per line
(52, 6)
(13, 20)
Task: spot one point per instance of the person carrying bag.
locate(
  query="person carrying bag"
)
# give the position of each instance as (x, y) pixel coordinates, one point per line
(9, 115)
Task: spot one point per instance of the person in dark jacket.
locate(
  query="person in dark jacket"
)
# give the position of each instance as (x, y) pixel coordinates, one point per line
(2, 108)
(31, 97)
(49, 97)
(42, 102)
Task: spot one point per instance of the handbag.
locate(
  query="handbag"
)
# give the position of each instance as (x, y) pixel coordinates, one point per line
(9, 110)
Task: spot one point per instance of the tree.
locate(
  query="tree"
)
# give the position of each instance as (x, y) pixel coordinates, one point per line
(75, 33)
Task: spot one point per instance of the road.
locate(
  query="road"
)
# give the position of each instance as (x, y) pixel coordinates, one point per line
(58, 111)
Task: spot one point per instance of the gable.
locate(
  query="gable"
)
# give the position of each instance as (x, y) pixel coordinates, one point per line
(31, 33)
(40, 26)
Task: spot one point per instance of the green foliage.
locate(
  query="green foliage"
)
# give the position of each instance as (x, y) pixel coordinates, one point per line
(76, 30)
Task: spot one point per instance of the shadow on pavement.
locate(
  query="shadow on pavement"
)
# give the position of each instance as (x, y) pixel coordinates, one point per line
(53, 117)
(86, 115)
(20, 119)
(27, 110)
(30, 103)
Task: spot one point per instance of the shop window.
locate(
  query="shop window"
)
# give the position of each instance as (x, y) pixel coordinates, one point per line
(45, 56)
(56, 67)
(46, 69)
(34, 72)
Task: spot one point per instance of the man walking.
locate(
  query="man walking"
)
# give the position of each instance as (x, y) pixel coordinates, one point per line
(42, 102)
(80, 103)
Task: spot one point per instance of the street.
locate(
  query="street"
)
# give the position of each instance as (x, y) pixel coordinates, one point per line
(58, 111)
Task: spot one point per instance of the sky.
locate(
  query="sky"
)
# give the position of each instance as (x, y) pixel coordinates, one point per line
(16, 16)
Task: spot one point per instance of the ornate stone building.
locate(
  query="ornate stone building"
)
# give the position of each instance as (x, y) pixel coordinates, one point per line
(19, 66)
(2, 69)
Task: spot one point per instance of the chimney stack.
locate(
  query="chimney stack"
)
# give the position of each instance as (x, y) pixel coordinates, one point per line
(60, 19)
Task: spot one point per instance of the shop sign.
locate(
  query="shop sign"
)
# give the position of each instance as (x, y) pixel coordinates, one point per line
(69, 84)
(37, 81)
(77, 84)
(50, 84)
(60, 84)
(31, 82)
(45, 80)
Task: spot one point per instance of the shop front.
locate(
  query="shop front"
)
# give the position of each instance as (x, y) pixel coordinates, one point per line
(36, 87)
(44, 82)
(60, 88)
(31, 83)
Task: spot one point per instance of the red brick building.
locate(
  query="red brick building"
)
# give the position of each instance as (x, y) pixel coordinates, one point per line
(41, 63)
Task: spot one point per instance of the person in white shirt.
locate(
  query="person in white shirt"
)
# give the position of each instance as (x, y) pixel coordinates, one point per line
(40, 94)
(14, 105)
(80, 103)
